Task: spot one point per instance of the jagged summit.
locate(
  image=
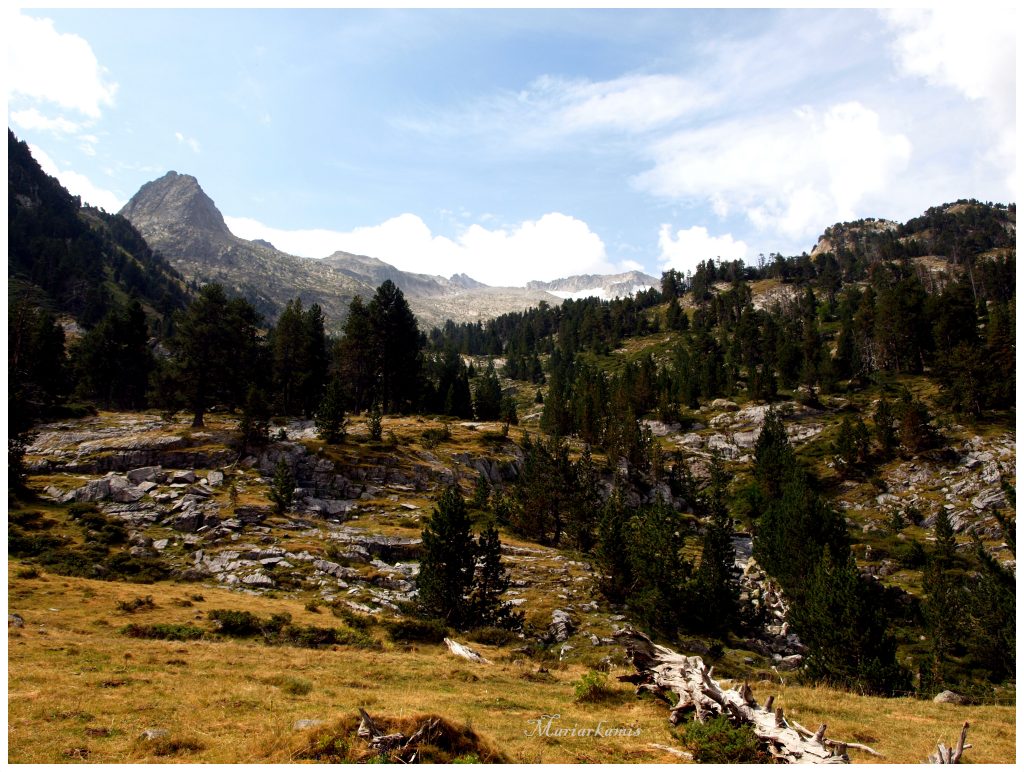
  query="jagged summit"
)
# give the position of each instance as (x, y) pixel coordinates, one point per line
(174, 200)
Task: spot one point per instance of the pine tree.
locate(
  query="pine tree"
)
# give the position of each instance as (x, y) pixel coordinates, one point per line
(773, 455)
(330, 416)
(715, 587)
(616, 577)
(945, 606)
(395, 346)
(885, 431)
(487, 401)
(112, 362)
(794, 529)
(482, 492)
(282, 489)
(214, 349)
(490, 582)
(254, 426)
(374, 422)
(655, 540)
(449, 557)
(354, 356)
(842, 622)
(851, 448)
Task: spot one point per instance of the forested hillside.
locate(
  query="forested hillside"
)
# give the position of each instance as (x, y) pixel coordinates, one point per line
(801, 467)
(78, 269)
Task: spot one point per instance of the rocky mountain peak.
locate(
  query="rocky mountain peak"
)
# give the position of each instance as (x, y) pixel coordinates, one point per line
(174, 201)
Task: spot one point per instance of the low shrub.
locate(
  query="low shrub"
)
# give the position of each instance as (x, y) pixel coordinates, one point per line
(719, 742)
(417, 631)
(237, 624)
(434, 436)
(593, 687)
(164, 632)
(278, 629)
(136, 604)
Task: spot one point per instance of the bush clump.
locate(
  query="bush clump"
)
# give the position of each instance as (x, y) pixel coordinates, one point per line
(164, 632)
(278, 629)
(719, 742)
(136, 604)
(417, 630)
(593, 687)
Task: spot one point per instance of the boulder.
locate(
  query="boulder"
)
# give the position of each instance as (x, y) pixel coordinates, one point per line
(950, 698)
(144, 474)
(94, 490)
(215, 479)
(259, 579)
(561, 626)
(180, 477)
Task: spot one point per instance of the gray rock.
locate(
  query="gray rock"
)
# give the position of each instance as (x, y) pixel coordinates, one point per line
(127, 495)
(791, 662)
(144, 474)
(15, 620)
(215, 479)
(153, 734)
(950, 698)
(180, 477)
(161, 544)
(146, 486)
(561, 626)
(259, 579)
(94, 490)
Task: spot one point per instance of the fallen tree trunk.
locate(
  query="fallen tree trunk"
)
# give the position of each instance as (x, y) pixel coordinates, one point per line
(663, 672)
(946, 755)
(461, 650)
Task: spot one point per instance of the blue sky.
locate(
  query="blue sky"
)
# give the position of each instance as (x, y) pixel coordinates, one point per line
(525, 144)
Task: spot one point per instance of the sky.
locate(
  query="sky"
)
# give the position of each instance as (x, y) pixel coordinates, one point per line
(525, 144)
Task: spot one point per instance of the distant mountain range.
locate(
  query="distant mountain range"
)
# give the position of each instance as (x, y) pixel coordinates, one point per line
(180, 220)
(597, 285)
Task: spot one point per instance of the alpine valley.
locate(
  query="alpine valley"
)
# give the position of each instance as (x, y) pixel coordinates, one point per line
(272, 509)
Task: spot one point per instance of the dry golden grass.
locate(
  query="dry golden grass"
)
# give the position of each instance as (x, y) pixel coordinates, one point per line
(77, 686)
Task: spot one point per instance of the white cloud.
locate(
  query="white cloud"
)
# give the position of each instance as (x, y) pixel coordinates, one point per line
(971, 49)
(192, 142)
(550, 247)
(78, 184)
(791, 173)
(552, 108)
(633, 103)
(31, 119)
(686, 248)
(48, 66)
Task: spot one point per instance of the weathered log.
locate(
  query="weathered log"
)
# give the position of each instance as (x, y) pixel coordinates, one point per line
(460, 650)
(663, 672)
(396, 744)
(946, 755)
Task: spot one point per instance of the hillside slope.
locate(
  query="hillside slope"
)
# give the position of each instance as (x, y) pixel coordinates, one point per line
(75, 260)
